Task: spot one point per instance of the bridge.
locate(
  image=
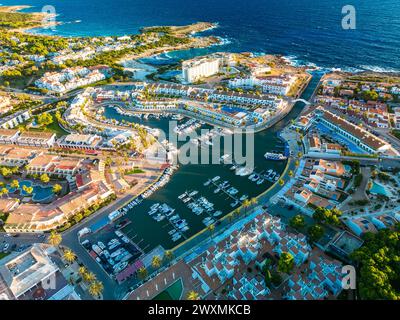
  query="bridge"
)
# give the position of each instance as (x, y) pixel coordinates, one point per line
(302, 100)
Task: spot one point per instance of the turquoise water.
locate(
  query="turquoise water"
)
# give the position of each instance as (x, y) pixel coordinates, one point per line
(39, 193)
(377, 188)
(149, 233)
(341, 139)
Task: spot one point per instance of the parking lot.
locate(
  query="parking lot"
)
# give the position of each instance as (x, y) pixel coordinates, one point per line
(16, 242)
(111, 249)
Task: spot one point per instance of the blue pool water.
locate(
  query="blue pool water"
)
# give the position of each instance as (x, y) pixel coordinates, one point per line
(232, 109)
(39, 193)
(377, 188)
(308, 31)
(342, 139)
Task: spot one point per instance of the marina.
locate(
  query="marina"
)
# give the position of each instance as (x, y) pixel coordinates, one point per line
(191, 177)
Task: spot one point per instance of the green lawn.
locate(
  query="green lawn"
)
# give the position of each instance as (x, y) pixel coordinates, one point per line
(134, 170)
(2, 255)
(396, 133)
(53, 127)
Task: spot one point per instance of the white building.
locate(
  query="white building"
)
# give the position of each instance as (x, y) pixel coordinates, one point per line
(14, 119)
(195, 69)
(36, 139)
(79, 141)
(22, 274)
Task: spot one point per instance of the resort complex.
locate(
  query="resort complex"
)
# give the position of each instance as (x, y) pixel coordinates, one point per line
(161, 166)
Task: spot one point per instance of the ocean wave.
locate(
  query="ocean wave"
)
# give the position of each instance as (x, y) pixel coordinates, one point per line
(296, 62)
(343, 69)
(311, 66)
(379, 69)
(222, 41)
(292, 60)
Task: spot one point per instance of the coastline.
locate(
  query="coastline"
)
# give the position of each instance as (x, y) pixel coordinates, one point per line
(15, 8)
(38, 18)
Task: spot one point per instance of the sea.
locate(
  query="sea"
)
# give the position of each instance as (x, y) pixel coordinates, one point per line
(305, 31)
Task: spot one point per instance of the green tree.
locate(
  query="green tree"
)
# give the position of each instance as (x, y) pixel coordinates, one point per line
(297, 222)
(96, 288)
(315, 232)
(54, 238)
(379, 265)
(193, 295)
(69, 256)
(276, 278)
(89, 277)
(4, 191)
(14, 184)
(57, 188)
(286, 262)
(169, 255)
(5, 172)
(211, 228)
(44, 119)
(142, 273)
(156, 262)
(28, 190)
(44, 178)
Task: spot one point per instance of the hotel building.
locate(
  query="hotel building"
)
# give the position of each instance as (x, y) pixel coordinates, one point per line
(195, 69)
(79, 141)
(14, 119)
(365, 140)
(36, 139)
(32, 275)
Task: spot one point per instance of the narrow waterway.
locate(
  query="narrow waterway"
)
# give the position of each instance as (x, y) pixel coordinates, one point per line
(149, 233)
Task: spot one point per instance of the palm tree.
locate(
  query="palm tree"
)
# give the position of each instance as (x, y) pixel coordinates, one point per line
(156, 262)
(291, 173)
(246, 204)
(4, 191)
(193, 295)
(54, 238)
(253, 201)
(211, 228)
(236, 212)
(142, 273)
(169, 255)
(281, 182)
(96, 288)
(89, 277)
(82, 271)
(14, 184)
(69, 256)
(57, 188)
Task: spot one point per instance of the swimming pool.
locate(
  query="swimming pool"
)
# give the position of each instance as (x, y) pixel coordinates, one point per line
(377, 188)
(341, 139)
(39, 192)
